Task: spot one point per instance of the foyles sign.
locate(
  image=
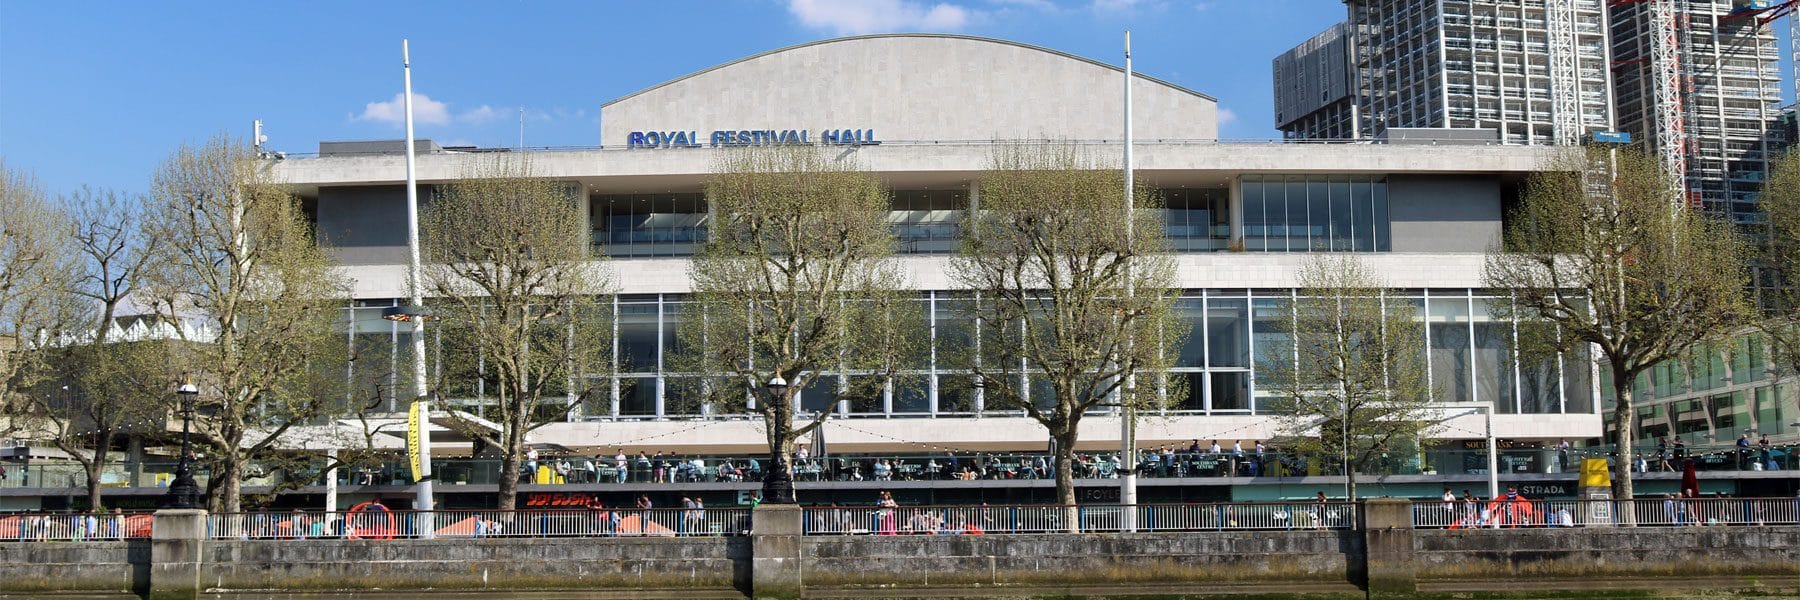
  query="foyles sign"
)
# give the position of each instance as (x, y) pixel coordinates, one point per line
(725, 138)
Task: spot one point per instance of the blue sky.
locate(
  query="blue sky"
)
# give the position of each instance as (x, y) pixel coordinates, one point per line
(99, 93)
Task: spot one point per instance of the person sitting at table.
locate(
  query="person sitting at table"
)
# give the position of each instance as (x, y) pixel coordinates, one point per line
(883, 471)
(1025, 471)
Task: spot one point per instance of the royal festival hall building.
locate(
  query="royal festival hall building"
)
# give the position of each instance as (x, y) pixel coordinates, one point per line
(926, 113)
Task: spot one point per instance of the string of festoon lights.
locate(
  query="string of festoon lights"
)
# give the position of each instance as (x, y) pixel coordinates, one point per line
(926, 445)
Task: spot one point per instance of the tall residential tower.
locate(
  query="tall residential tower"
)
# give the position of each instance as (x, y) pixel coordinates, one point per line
(1535, 72)
(1723, 106)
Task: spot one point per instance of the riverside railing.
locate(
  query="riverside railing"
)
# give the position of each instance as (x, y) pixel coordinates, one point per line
(400, 524)
(74, 527)
(1179, 463)
(1642, 512)
(1088, 518)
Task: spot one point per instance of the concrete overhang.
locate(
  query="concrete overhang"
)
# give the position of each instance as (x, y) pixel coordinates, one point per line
(1164, 162)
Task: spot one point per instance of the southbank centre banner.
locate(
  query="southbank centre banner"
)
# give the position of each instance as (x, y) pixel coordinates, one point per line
(418, 442)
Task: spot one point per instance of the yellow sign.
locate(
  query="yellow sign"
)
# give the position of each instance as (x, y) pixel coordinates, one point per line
(416, 420)
(1595, 473)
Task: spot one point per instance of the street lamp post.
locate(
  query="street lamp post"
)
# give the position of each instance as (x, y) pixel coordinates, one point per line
(1493, 449)
(778, 479)
(183, 492)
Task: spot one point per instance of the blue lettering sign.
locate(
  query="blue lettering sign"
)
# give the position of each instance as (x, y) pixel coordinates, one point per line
(729, 138)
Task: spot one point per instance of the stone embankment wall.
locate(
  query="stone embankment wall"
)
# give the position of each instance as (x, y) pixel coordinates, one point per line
(1445, 559)
(93, 567)
(484, 564)
(1386, 559)
(1285, 558)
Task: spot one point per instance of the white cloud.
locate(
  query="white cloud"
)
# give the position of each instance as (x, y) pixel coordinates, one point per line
(1043, 5)
(850, 17)
(1227, 117)
(425, 110)
(479, 114)
(1126, 6)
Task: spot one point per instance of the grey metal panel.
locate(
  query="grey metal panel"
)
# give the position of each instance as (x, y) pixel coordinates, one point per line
(352, 148)
(364, 225)
(1312, 76)
(1444, 214)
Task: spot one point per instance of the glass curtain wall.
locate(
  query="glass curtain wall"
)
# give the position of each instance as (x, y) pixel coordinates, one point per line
(1197, 219)
(1314, 214)
(1472, 354)
(628, 225)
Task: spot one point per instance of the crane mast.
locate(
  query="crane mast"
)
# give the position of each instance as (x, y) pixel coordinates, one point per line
(1565, 94)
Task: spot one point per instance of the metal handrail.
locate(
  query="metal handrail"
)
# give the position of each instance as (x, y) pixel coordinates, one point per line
(1643, 512)
(455, 524)
(75, 527)
(1088, 518)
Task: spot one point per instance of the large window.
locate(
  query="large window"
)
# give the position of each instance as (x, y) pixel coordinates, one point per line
(928, 221)
(1315, 214)
(1197, 219)
(648, 224)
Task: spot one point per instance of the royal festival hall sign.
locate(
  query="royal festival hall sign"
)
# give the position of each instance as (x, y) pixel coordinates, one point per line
(729, 138)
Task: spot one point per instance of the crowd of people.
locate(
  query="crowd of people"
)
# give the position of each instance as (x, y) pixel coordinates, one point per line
(1193, 460)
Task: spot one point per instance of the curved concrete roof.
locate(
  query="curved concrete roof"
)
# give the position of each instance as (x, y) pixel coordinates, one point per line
(912, 87)
(901, 35)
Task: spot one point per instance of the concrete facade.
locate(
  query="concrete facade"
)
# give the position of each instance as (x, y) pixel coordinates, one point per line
(911, 88)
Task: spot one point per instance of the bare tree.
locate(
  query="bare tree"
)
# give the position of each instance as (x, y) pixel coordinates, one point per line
(795, 284)
(113, 382)
(1351, 384)
(258, 298)
(34, 310)
(509, 266)
(1602, 248)
(1074, 299)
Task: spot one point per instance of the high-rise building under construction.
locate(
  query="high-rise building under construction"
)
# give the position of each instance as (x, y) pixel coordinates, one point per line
(1697, 81)
(1535, 72)
(1718, 119)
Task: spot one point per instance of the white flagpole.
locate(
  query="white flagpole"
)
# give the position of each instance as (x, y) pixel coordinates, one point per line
(423, 500)
(1128, 412)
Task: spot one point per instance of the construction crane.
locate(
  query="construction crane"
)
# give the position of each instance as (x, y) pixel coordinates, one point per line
(1565, 95)
(1670, 87)
(1668, 27)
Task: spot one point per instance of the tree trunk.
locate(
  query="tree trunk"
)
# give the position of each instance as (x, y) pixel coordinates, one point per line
(102, 444)
(1623, 416)
(512, 452)
(1065, 477)
(509, 479)
(227, 477)
(1349, 483)
(778, 477)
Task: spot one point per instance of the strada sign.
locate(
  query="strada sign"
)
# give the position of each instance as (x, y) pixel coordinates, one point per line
(730, 138)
